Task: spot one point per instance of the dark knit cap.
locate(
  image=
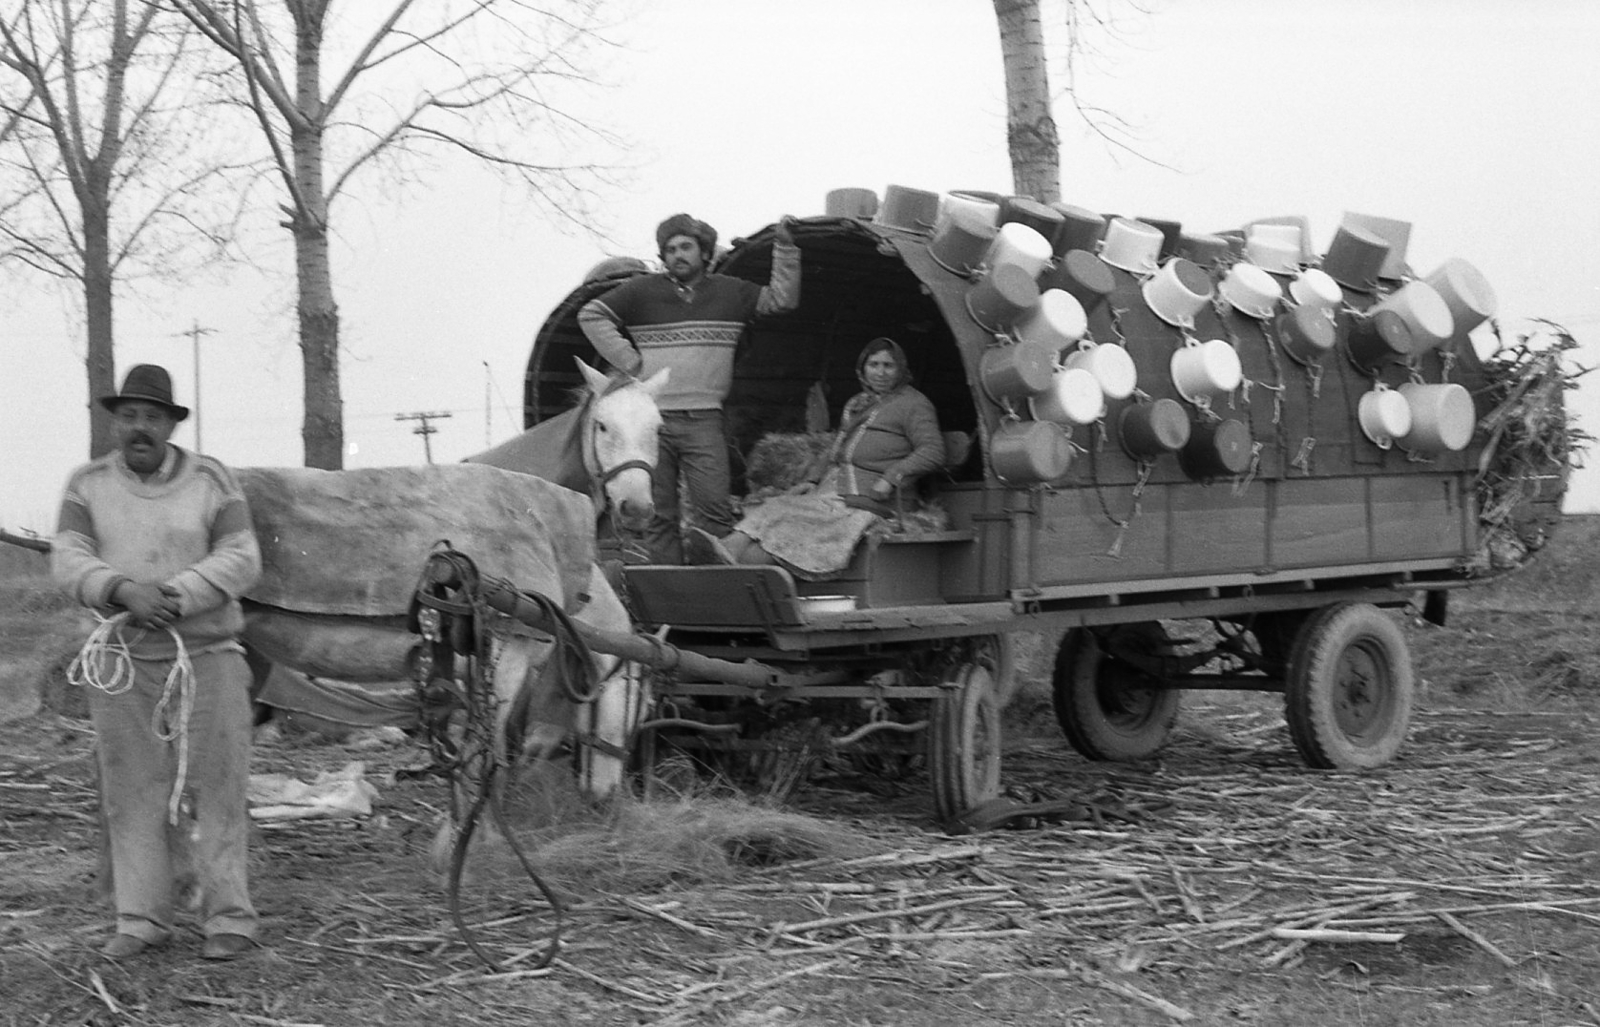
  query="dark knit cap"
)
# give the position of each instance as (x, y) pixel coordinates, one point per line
(694, 228)
(149, 382)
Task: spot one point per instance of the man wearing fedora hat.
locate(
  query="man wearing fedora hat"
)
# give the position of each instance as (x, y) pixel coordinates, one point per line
(158, 542)
(690, 321)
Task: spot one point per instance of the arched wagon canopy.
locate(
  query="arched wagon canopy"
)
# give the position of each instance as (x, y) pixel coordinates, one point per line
(859, 281)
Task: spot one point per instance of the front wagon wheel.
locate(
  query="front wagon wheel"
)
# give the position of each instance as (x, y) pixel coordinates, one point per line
(1350, 688)
(1107, 708)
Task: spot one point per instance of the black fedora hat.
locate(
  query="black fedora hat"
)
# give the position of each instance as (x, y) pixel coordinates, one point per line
(150, 383)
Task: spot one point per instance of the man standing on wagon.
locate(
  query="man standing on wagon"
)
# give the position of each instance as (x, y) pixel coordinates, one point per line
(158, 541)
(691, 321)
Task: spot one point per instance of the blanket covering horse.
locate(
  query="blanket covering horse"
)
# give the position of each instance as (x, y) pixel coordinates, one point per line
(352, 543)
(341, 551)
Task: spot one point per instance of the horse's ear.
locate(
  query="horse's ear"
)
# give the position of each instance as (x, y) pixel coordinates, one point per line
(655, 383)
(597, 381)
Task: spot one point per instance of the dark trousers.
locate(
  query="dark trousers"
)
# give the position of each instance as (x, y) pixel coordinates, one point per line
(694, 446)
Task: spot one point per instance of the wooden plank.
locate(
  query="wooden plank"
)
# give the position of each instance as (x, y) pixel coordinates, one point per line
(1320, 521)
(1418, 515)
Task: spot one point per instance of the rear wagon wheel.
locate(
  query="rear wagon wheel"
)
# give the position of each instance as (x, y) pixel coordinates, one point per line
(1106, 707)
(965, 739)
(1350, 688)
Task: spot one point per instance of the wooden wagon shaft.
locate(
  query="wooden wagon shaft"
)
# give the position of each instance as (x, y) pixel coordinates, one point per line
(653, 652)
(38, 545)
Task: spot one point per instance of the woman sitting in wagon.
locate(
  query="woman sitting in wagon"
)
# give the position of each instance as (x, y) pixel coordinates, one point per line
(888, 436)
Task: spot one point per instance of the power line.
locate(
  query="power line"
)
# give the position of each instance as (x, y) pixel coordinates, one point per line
(425, 428)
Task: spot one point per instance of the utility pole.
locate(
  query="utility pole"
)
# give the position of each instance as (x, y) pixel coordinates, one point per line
(194, 334)
(425, 428)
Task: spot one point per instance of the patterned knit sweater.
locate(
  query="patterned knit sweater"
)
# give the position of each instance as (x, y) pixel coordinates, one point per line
(693, 330)
(187, 527)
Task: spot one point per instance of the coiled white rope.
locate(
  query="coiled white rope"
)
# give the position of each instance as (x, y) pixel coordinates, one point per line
(105, 664)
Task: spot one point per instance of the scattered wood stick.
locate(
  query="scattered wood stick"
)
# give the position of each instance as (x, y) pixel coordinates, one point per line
(1477, 939)
(1332, 935)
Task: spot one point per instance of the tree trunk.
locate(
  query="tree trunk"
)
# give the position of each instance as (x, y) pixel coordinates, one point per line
(100, 362)
(1031, 138)
(322, 431)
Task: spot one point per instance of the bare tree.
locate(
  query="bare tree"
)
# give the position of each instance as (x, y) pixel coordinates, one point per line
(96, 183)
(484, 78)
(1032, 139)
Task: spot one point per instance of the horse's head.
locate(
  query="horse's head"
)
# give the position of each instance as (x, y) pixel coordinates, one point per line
(621, 442)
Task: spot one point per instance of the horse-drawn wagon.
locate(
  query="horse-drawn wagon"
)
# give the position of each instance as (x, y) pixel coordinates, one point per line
(1281, 510)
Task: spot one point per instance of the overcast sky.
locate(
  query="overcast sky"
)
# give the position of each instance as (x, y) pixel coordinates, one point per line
(1472, 119)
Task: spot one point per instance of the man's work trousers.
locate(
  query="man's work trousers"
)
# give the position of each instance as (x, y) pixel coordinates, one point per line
(693, 444)
(137, 773)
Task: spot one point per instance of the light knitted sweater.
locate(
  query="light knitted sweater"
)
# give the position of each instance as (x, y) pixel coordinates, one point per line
(188, 527)
(693, 330)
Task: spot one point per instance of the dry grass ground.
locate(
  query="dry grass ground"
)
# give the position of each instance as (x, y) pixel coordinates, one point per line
(1173, 895)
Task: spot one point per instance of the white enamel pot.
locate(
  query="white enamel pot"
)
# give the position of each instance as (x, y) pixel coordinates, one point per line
(1442, 418)
(1056, 321)
(1019, 245)
(1131, 245)
(1206, 371)
(1384, 415)
(1315, 288)
(1423, 310)
(1177, 292)
(1110, 364)
(1074, 397)
(1251, 291)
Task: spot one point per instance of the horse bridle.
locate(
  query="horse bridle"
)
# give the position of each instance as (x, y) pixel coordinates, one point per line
(591, 463)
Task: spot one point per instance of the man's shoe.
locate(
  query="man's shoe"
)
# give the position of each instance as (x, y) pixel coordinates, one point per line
(226, 946)
(124, 946)
(705, 548)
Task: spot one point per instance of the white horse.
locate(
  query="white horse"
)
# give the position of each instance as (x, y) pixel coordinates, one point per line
(606, 447)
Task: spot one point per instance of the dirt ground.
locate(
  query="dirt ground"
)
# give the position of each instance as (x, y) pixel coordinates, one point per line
(1468, 871)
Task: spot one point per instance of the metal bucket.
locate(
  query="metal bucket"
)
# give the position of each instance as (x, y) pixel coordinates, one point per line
(1379, 339)
(1002, 295)
(1466, 292)
(961, 238)
(1149, 430)
(1030, 452)
(1014, 372)
(1217, 449)
(1084, 276)
(1306, 334)
(1081, 229)
(851, 203)
(914, 210)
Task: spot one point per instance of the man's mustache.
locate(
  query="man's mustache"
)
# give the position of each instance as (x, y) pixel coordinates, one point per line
(138, 437)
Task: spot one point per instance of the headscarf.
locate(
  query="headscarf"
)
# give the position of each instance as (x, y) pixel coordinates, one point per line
(883, 344)
(863, 402)
(694, 228)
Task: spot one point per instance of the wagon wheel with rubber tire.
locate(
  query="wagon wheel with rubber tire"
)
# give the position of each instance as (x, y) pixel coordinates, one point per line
(1350, 688)
(1108, 708)
(964, 735)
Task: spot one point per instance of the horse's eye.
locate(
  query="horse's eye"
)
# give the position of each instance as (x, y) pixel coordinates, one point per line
(600, 428)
